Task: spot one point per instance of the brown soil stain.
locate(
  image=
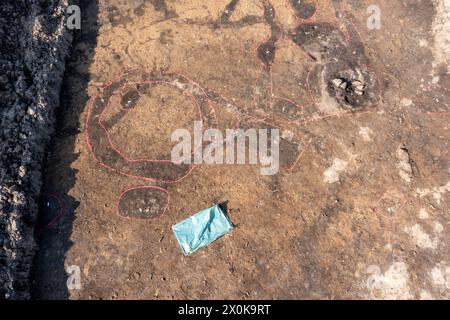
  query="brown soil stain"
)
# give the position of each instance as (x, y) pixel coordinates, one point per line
(255, 64)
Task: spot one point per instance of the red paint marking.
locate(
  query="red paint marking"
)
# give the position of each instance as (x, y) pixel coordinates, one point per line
(58, 214)
(377, 206)
(294, 165)
(242, 116)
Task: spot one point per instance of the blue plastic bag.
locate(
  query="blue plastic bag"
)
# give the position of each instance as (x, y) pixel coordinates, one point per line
(202, 229)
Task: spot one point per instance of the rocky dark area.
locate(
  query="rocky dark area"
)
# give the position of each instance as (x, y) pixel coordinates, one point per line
(34, 42)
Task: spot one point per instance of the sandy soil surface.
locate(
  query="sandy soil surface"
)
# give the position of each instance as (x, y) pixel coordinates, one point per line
(360, 207)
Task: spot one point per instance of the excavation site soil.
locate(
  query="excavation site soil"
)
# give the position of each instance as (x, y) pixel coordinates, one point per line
(359, 207)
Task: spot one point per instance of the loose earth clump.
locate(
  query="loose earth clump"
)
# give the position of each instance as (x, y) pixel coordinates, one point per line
(352, 88)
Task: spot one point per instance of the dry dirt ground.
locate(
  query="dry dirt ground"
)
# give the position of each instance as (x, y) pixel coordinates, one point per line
(360, 207)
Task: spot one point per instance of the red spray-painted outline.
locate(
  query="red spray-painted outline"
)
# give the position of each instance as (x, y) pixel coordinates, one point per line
(119, 151)
(241, 116)
(377, 206)
(57, 215)
(88, 118)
